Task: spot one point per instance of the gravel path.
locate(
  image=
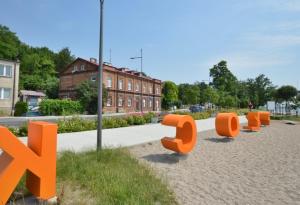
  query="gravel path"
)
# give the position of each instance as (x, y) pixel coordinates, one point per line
(255, 168)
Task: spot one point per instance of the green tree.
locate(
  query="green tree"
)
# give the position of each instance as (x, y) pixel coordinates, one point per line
(9, 44)
(201, 86)
(210, 95)
(169, 94)
(223, 79)
(87, 94)
(63, 58)
(286, 93)
(188, 94)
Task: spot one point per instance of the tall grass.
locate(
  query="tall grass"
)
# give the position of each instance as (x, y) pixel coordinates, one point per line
(111, 176)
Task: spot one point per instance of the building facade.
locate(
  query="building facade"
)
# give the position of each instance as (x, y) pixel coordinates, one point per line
(128, 91)
(9, 85)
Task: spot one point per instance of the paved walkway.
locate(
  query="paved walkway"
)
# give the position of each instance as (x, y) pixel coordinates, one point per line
(126, 136)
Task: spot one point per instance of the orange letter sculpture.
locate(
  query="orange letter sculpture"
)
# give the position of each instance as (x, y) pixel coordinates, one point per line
(186, 133)
(39, 158)
(227, 124)
(264, 118)
(253, 121)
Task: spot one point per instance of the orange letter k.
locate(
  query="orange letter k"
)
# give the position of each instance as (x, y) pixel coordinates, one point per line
(39, 158)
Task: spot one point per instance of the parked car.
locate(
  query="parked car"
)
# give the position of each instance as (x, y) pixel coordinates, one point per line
(196, 108)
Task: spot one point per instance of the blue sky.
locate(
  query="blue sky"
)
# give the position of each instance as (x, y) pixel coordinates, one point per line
(181, 40)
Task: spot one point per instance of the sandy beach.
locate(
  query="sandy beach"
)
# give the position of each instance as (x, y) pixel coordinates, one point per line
(255, 168)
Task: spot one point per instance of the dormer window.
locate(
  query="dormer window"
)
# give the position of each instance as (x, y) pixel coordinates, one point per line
(82, 68)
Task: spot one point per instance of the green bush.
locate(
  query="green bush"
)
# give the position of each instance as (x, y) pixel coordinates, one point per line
(60, 107)
(148, 116)
(130, 120)
(138, 120)
(196, 115)
(76, 125)
(21, 108)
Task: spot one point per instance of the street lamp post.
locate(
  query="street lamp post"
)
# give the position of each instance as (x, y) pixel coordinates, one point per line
(140, 57)
(100, 71)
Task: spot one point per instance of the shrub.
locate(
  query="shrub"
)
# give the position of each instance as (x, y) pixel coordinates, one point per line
(21, 108)
(130, 120)
(139, 120)
(149, 116)
(76, 125)
(60, 107)
(196, 115)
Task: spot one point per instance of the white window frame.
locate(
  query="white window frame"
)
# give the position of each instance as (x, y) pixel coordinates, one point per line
(144, 103)
(129, 85)
(82, 67)
(157, 91)
(129, 102)
(109, 82)
(109, 101)
(144, 88)
(137, 87)
(5, 69)
(150, 89)
(2, 93)
(120, 84)
(150, 102)
(120, 102)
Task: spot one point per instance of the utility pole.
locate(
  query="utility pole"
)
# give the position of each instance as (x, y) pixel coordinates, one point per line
(141, 75)
(100, 74)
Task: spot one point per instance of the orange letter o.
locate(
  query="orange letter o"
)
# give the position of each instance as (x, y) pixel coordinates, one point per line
(227, 124)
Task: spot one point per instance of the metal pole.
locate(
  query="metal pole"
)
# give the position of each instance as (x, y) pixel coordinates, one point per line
(100, 71)
(141, 60)
(142, 80)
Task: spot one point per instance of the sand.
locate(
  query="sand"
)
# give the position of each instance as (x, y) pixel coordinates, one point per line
(255, 168)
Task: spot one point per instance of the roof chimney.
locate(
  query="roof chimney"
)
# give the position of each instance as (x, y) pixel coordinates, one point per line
(93, 60)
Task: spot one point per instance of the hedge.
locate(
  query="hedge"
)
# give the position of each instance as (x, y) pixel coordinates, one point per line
(60, 107)
(76, 124)
(21, 108)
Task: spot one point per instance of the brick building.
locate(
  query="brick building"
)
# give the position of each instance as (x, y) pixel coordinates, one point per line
(128, 91)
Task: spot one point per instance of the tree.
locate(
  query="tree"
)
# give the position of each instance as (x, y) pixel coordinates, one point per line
(286, 93)
(63, 58)
(188, 94)
(223, 79)
(87, 94)
(169, 94)
(210, 95)
(9, 44)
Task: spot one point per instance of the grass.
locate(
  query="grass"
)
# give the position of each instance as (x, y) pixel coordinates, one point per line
(112, 176)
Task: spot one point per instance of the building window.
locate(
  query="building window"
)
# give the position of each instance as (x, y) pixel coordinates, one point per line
(150, 89)
(150, 102)
(157, 91)
(144, 102)
(129, 102)
(120, 84)
(5, 93)
(109, 82)
(137, 87)
(82, 67)
(5, 70)
(120, 102)
(129, 85)
(93, 78)
(144, 88)
(157, 107)
(109, 101)
(75, 69)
